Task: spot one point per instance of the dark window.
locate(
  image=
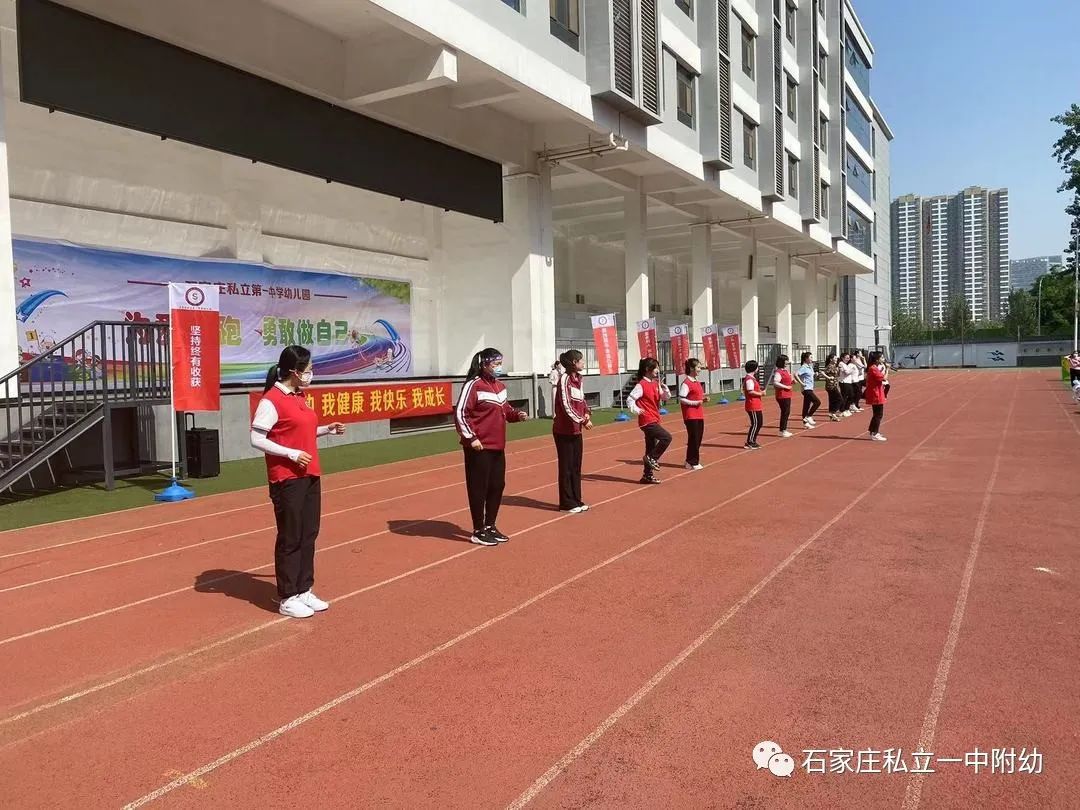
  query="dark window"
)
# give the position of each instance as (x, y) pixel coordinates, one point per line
(514, 4)
(789, 23)
(792, 99)
(823, 67)
(823, 137)
(749, 143)
(566, 21)
(685, 82)
(687, 7)
(793, 175)
(858, 176)
(748, 51)
(858, 123)
(857, 65)
(825, 201)
(859, 230)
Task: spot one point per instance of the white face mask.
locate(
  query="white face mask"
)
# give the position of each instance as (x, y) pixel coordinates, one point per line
(306, 377)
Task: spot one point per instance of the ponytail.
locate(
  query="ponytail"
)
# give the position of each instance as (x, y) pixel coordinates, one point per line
(569, 359)
(481, 359)
(271, 378)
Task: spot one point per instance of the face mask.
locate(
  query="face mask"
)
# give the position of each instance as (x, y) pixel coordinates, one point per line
(306, 377)
(497, 371)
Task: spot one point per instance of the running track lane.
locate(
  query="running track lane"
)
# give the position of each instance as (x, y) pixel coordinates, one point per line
(537, 558)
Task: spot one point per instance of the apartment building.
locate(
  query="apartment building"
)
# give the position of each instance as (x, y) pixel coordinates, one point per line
(958, 248)
(1023, 273)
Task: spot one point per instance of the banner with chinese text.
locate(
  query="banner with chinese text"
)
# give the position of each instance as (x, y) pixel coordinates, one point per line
(196, 353)
(680, 347)
(733, 346)
(355, 326)
(369, 403)
(606, 340)
(710, 342)
(646, 337)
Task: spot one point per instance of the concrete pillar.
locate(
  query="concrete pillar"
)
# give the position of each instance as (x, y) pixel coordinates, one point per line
(832, 309)
(748, 296)
(783, 302)
(532, 281)
(637, 272)
(701, 280)
(810, 309)
(438, 346)
(9, 333)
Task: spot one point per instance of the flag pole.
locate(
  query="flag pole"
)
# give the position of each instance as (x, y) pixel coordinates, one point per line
(173, 492)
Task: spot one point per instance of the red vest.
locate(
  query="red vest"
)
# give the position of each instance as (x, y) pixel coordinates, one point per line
(296, 428)
(649, 404)
(786, 379)
(752, 403)
(875, 386)
(696, 392)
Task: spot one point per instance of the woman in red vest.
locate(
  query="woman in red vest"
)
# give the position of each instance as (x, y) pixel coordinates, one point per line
(877, 375)
(783, 383)
(754, 409)
(691, 398)
(481, 416)
(286, 429)
(644, 402)
(571, 416)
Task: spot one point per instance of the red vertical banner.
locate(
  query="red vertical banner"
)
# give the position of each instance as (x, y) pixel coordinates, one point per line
(646, 338)
(606, 340)
(732, 346)
(710, 341)
(196, 347)
(680, 347)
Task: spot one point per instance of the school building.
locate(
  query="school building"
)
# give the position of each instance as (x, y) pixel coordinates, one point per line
(520, 164)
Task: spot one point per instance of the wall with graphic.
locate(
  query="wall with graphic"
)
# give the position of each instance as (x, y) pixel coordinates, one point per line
(356, 327)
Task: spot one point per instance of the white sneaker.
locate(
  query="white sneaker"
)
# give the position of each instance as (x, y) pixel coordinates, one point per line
(786, 434)
(313, 602)
(584, 507)
(695, 467)
(575, 510)
(809, 424)
(294, 608)
(811, 420)
(877, 437)
(834, 417)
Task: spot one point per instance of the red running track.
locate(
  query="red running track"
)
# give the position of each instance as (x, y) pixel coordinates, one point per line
(825, 593)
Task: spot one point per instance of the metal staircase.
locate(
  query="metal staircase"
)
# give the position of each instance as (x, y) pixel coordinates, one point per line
(71, 388)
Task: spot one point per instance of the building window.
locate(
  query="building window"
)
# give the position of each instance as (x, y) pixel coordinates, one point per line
(748, 51)
(684, 80)
(566, 21)
(823, 67)
(858, 230)
(875, 279)
(792, 99)
(823, 135)
(825, 201)
(514, 4)
(789, 23)
(687, 7)
(749, 143)
(793, 176)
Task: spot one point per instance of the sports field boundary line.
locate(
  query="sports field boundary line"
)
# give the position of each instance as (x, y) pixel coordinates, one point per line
(556, 770)
(185, 656)
(913, 790)
(347, 696)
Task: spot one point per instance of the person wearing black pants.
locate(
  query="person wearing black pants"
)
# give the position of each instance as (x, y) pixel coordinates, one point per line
(644, 402)
(754, 408)
(571, 416)
(286, 430)
(691, 399)
(783, 385)
(877, 374)
(480, 416)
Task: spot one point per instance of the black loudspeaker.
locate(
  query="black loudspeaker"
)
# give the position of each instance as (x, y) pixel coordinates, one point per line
(203, 458)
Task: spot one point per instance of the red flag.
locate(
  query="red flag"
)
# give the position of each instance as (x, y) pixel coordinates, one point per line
(606, 340)
(680, 346)
(710, 340)
(646, 337)
(196, 347)
(733, 346)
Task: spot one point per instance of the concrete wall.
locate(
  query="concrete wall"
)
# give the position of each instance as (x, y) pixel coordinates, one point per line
(1004, 354)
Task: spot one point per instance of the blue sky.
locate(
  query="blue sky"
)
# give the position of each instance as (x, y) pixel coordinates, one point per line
(969, 87)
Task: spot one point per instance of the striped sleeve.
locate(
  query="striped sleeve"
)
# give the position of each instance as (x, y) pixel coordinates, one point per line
(465, 404)
(567, 404)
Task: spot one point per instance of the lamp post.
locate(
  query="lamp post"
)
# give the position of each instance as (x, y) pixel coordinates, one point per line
(1076, 266)
(1039, 330)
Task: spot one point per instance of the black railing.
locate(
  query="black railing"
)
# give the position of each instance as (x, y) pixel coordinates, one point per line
(69, 386)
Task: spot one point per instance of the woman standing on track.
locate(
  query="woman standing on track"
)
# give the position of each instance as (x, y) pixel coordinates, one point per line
(644, 402)
(783, 383)
(754, 409)
(849, 372)
(859, 360)
(1074, 367)
(831, 373)
(571, 416)
(810, 401)
(480, 416)
(691, 398)
(877, 374)
(286, 429)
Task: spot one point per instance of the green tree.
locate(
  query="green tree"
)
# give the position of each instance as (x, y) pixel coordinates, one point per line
(908, 330)
(1021, 319)
(958, 317)
(1067, 154)
(1057, 301)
